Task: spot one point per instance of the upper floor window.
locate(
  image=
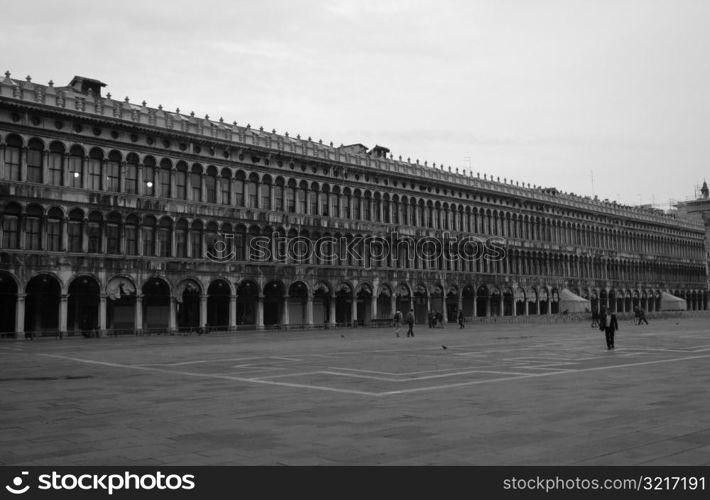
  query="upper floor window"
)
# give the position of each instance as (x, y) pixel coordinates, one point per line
(55, 160)
(13, 154)
(34, 161)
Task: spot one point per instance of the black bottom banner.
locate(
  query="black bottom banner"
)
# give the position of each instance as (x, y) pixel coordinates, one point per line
(316, 482)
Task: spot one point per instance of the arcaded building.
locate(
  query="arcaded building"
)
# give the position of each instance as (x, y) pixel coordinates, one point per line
(118, 217)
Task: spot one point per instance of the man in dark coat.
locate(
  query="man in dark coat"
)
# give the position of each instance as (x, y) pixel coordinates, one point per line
(609, 325)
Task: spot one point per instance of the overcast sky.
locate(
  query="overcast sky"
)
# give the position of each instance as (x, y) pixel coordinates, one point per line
(605, 97)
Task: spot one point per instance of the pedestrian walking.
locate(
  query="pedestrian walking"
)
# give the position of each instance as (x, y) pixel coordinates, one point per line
(410, 323)
(397, 322)
(461, 319)
(640, 315)
(609, 325)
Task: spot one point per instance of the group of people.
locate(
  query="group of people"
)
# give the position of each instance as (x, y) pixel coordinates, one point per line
(435, 318)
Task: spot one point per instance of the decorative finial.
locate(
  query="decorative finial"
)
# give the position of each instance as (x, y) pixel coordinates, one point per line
(298, 136)
(234, 123)
(331, 144)
(126, 99)
(143, 103)
(273, 131)
(160, 107)
(207, 117)
(248, 125)
(221, 120)
(177, 110)
(192, 113)
(320, 141)
(7, 74)
(286, 134)
(51, 83)
(309, 138)
(108, 96)
(261, 129)
(28, 78)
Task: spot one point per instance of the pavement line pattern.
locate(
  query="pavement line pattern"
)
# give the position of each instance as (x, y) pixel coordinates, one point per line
(264, 380)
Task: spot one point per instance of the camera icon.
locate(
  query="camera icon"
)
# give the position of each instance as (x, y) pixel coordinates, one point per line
(16, 487)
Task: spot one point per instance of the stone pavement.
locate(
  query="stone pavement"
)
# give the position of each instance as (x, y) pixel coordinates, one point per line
(499, 394)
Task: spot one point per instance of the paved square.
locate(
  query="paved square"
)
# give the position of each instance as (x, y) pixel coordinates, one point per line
(491, 394)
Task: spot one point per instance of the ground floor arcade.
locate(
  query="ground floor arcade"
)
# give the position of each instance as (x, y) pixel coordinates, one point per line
(86, 304)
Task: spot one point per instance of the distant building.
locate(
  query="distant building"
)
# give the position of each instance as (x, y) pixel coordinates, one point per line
(119, 217)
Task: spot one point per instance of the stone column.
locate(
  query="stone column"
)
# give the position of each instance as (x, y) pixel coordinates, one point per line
(285, 321)
(172, 315)
(102, 315)
(63, 313)
(203, 310)
(260, 313)
(19, 315)
(138, 325)
(444, 313)
(309, 310)
(23, 164)
(353, 311)
(331, 314)
(232, 313)
(488, 306)
(373, 307)
(45, 167)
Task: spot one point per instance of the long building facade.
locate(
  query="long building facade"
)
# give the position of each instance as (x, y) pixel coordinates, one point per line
(120, 218)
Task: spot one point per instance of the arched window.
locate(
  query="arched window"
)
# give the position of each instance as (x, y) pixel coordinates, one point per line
(165, 237)
(130, 184)
(252, 201)
(386, 210)
(266, 193)
(75, 230)
(33, 228)
(56, 164)
(11, 226)
(94, 232)
(345, 205)
(95, 158)
(148, 233)
(13, 154)
(313, 202)
(211, 185)
(301, 199)
(181, 238)
(148, 179)
(225, 184)
(34, 161)
(356, 206)
(76, 167)
(239, 189)
(323, 201)
(278, 198)
(196, 239)
(366, 215)
(290, 199)
(164, 178)
(113, 235)
(334, 204)
(181, 181)
(54, 230)
(131, 229)
(113, 171)
(196, 183)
